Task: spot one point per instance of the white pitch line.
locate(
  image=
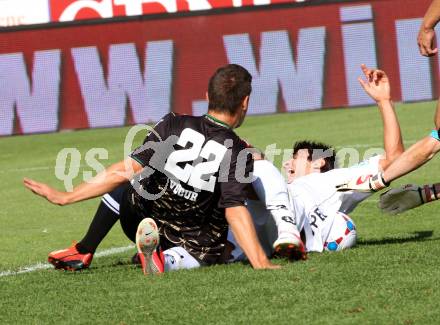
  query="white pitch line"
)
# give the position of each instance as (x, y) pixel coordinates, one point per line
(44, 266)
(27, 269)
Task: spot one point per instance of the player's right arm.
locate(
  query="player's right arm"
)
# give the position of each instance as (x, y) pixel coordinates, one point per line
(392, 136)
(414, 157)
(396, 163)
(102, 183)
(111, 177)
(426, 36)
(242, 226)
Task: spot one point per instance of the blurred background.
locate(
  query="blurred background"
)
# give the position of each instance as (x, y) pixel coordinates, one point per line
(76, 64)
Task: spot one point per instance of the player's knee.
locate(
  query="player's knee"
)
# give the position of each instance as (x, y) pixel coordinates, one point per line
(269, 184)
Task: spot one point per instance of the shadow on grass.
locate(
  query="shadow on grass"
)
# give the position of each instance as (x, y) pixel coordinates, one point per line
(122, 263)
(414, 237)
(99, 267)
(417, 236)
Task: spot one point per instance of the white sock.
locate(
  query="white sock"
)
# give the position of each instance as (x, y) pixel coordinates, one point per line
(284, 219)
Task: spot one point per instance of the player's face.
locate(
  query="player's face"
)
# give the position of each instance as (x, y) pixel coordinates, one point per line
(298, 166)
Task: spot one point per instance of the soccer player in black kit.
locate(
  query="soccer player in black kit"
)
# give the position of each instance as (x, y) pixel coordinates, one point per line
(176, 195)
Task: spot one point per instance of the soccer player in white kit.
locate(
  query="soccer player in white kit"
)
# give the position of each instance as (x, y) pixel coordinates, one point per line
(310, 198)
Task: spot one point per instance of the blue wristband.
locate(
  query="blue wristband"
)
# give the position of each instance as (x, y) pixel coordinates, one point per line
(434, 134)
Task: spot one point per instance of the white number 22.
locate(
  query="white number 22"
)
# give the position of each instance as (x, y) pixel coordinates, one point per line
(192, 175)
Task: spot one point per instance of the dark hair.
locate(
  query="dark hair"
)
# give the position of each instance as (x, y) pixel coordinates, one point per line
(228, 87)
(316, 151)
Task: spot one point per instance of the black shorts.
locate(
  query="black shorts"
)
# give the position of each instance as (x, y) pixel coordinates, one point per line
(118, 201)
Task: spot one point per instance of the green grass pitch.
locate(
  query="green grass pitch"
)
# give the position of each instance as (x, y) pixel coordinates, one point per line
(391, 276)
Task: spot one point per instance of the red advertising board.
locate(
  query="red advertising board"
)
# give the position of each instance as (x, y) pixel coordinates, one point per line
(69, 10)
(136, 70)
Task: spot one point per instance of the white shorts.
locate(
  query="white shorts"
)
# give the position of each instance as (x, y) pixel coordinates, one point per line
(177, 258)
(271, 189)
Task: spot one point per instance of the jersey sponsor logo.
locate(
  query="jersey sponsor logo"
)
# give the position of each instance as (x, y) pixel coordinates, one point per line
(180, 191)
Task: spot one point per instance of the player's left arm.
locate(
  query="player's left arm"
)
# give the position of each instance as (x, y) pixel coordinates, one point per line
(102, 183)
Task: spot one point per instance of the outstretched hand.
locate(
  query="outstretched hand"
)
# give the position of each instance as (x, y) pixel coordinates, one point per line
(376, 85)
(44, 190)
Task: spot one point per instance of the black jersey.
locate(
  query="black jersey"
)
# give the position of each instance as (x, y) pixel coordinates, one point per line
(194, 168)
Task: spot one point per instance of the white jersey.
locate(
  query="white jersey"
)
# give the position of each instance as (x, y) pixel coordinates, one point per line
(315, 201)
(312, 200)
(272, 207)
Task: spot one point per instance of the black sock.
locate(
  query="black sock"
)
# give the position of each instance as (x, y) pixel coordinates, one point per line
(102, 222)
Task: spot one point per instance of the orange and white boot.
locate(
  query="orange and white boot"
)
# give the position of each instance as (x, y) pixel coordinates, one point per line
(147, 243)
